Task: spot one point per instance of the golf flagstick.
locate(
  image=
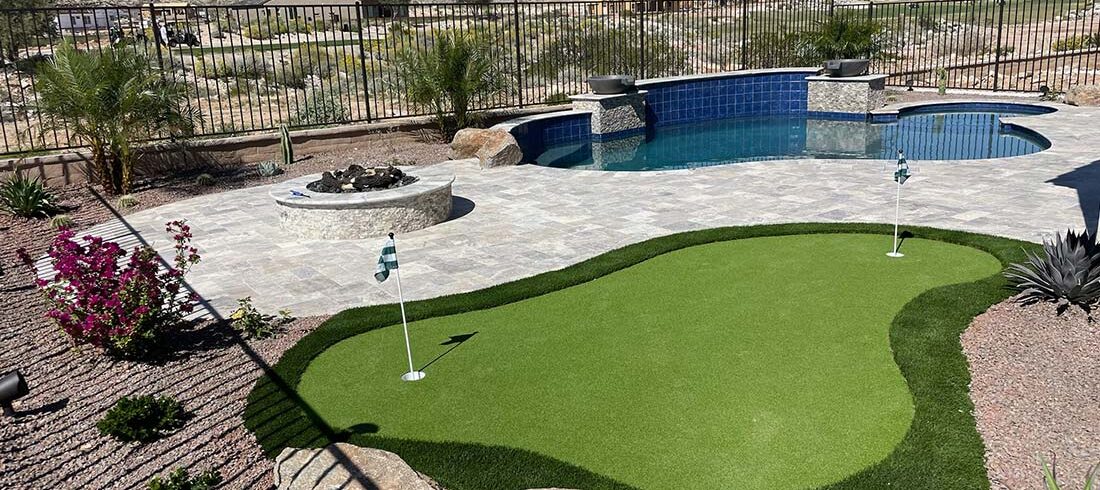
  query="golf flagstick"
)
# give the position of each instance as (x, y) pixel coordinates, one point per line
(901, 175)
(413, 374)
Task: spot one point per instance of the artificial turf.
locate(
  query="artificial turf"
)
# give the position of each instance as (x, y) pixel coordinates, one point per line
(758, 363)
(940, 451)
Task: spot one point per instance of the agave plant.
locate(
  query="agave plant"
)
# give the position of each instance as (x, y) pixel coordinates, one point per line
(111, 99)
(26, 197)
(1068, 272)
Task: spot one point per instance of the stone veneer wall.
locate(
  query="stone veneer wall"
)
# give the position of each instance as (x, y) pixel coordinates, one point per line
(852, 95)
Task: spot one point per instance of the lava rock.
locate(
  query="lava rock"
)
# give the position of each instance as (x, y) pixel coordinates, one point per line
(358, 179)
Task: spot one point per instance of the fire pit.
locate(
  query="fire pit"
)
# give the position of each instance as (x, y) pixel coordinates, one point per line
(360, 179)
(361, 202)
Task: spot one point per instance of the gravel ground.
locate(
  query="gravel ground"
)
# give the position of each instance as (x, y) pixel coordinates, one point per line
(54, 442)
(1036, 391)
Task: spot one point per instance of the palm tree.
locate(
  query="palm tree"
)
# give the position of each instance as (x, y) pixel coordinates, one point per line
(110, 100)
(451, 73)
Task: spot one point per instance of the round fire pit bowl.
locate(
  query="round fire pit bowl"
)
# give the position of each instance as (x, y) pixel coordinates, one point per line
(354, 215)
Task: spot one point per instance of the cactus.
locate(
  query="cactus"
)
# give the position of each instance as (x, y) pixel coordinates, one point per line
(941, 80)
(127, 201)
(205, 180)
(61, 221)
(269, 169)
(286, 146)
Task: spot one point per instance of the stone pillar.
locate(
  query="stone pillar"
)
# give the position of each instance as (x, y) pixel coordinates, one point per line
(613, 116)
(845, 95)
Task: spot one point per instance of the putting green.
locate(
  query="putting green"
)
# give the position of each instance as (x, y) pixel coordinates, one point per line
(754, 363)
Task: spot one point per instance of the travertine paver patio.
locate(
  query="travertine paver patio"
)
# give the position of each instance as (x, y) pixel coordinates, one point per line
(528, 219)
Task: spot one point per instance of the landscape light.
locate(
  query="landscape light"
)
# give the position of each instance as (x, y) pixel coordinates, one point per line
(12, 387)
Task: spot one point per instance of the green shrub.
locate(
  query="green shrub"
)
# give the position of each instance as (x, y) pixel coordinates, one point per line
(844, 36)
(180, 479)
(321, 108)
(205, 180)
(1068, 272)
(447, 76)
(257, 325)
(143, 418)
(266, 28)
(26, 197)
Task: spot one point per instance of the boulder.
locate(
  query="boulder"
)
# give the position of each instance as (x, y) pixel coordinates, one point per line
(346, 466)
(467, 142)
(499, 150)
(1084, 95)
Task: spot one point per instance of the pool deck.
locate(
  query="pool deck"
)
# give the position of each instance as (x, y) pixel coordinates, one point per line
(515, 222)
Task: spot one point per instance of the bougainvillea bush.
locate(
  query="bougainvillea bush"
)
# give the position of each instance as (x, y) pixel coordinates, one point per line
(117, 301)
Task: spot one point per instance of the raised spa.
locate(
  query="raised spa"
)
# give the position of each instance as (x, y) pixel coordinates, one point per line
(762, 116)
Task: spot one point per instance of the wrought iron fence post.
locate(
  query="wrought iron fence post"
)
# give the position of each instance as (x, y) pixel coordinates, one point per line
(832, 6)
(997, 48)
(744, 34)
(641, 37)
(157, 37)
(363, 57)
(519, 53)
(870, 18)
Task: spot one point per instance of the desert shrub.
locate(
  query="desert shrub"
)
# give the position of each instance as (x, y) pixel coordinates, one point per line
(966, 41)
(267, 27)
(456, 69)
(257, 325)
(235, 66)
(26, 197)
(605, 50)
(121, 306)
(1068, 272)
(1071, 43)
(180, 479)
(846, 36)
(143, 418)
(110, 99)
(556, 98)
(775, 50)
(321, 108)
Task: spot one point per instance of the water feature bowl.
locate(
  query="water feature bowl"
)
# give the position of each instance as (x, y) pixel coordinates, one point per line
(847, 68)
(611, 84)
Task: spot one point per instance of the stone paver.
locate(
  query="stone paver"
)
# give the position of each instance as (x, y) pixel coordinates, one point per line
(530, 219)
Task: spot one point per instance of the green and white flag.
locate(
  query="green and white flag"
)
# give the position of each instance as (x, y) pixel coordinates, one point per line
(902, 174)
(387, 261)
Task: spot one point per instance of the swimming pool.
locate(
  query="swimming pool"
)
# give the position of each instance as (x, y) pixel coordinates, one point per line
(933, 132)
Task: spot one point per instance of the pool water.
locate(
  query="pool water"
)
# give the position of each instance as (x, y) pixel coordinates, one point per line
(944, 135)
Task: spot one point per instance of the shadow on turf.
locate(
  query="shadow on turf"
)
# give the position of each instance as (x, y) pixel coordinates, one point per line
(454, 342)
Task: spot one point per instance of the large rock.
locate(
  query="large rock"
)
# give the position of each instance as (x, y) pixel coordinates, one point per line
(345, 466)
(468, 141)
(499, 150)
(1084, 95)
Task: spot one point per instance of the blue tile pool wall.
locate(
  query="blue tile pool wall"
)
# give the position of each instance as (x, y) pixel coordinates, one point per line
(533, 137)
(680, 101)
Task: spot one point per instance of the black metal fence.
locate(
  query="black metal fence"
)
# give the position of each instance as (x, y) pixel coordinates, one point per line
(254, 68)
